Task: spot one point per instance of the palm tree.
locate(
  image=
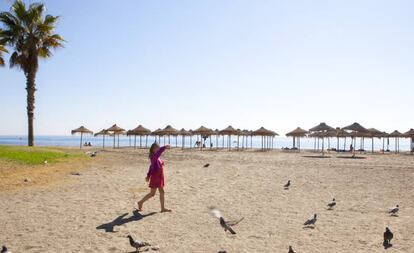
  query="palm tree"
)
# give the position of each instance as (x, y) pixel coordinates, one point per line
(2, 50)
(30, 35)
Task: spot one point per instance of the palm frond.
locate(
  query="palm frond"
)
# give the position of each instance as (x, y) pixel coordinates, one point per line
(30, 33)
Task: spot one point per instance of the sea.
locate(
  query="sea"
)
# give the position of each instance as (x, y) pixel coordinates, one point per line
(279, 142)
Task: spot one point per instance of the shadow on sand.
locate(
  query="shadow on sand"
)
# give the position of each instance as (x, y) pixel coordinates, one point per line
(351, 157)
(316, 156)
(121, 220)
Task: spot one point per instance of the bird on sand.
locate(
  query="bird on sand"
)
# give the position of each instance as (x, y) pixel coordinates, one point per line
(226, 225)
(311, 221)
(5, 250)
(137, 244)
(388, 235)
(286, 186)
(394, 210)
(291, 250)
(206, 165)
(332, 204)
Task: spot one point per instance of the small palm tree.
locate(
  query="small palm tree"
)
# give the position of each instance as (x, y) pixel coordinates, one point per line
(30, 35)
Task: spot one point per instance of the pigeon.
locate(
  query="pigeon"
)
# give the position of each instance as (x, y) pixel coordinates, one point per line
(286, 186)
(206, 165)
(226, 225)
(332, 204)
(93, 154)
(311, 221)
(137, 244)
(291, 250)
(388, 235)
(5, 250)
(394, 210)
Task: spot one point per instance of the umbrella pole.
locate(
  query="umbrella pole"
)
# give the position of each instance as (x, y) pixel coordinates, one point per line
(103, 141)
(114, 139)
(176, 141)
(383, 145)
(135, 142)
(146, 141)
(118, 140)
(80, 146)
(372, 145)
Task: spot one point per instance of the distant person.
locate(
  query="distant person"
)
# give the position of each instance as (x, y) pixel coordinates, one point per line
(85, 144)
(351, 148)
(155, 176)
(89, 144)
(211, 145)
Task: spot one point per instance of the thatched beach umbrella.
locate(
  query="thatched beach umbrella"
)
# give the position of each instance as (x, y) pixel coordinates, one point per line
(267, 137)
(397, 135)
(157, 132)
(297, 133)
(184, 133)
(82, 130)
(116, 130)
(357, 131)
(410, 134)
(140, 131)
(168, 131)
(205, 133)
(339, 133)
(374, 133)
(217, 134)
(229, 131)
(103, 132)
(321, 128)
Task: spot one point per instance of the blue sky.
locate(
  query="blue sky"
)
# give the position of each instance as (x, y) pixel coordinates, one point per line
(280, 64)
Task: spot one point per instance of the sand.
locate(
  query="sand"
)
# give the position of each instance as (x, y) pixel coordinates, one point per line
(93, 212)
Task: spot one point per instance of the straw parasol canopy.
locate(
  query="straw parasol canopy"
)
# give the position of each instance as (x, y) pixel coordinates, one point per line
(103, 132)
(184, 133)
(229, 131)
(357, 129)
(410, 134)
(168, 131)
(322, 127)
(297, 133)
(265, 134)
(203, 131)
(82, 130)
(116, 130)
(140, 131)
(321, 131)
(397, 135)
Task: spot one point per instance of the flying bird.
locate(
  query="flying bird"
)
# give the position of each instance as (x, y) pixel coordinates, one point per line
(206, 165)
(291, 250)
(311, 221)
(332, 204)
(226, 225)
(5, 250)
(394, 210)
(388, 235)
(137, 244)
(286, 186)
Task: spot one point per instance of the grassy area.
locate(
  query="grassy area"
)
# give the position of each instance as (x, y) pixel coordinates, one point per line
(34, 155)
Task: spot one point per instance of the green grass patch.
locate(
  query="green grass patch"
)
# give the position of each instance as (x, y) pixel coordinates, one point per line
(34, 155)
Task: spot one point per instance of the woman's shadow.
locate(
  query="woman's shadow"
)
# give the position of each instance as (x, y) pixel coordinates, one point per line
(121, 220)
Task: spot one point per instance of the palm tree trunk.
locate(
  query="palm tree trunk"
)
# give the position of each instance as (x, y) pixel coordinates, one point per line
(31, 88)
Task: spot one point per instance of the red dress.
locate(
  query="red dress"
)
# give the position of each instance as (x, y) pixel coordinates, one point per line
(156, 170)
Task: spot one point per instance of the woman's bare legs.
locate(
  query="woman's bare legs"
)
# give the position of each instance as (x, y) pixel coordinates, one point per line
(163, 209)
(146, 197)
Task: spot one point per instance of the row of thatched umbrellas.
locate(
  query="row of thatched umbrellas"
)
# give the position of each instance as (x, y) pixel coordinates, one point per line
(318, 132)
(266, 135)
(352, 131)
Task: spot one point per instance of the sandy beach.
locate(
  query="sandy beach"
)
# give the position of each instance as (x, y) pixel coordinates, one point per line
(93, 211)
